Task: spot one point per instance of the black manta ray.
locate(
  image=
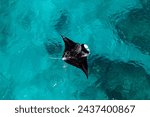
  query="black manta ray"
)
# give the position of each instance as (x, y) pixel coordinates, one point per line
(76, 54)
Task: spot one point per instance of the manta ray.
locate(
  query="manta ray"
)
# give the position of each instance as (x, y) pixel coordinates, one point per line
(76, 54)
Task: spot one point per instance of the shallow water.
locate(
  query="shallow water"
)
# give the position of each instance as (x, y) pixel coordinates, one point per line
(116, 31)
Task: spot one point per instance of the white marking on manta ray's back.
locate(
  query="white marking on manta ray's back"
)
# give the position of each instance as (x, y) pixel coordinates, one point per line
(86, 47)
(64, 58)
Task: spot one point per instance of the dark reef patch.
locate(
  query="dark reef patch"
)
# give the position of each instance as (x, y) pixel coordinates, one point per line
(53, 47)
(25, 19)
(6, 7)
(4, 35)
(135, 28)
(145, 4)
(121, 80)
(3, 43)
(62, 22)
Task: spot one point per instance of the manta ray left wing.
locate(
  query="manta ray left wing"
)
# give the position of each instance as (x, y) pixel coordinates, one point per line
(69, 44)
(77, 61)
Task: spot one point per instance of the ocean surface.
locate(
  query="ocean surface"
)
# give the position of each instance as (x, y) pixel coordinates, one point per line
(116, 31)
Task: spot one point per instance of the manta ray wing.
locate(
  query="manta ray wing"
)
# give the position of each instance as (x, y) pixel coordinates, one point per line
(80, 63)
(84, 66)
(69, 44)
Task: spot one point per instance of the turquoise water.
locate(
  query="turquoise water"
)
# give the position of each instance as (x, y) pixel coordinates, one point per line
(116, 31)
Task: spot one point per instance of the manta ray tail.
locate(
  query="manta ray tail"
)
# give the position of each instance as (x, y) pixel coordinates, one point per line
(55, 58)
